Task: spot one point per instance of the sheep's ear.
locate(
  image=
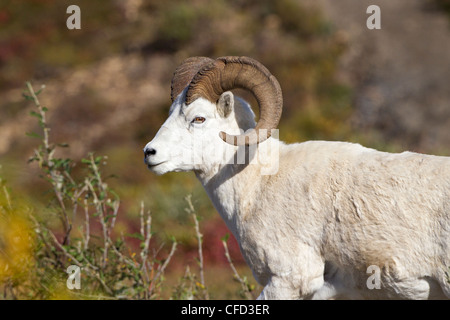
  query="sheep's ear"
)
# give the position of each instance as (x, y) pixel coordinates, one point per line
(225, 104)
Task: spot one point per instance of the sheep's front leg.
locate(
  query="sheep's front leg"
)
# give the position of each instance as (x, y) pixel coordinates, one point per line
(294, 274)
(278, 289)
(285, 288)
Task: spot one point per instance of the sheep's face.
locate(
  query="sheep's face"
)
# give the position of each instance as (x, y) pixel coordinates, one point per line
(189, 138)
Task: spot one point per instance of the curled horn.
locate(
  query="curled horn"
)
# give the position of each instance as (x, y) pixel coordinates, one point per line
(184, 74)
(227, 73)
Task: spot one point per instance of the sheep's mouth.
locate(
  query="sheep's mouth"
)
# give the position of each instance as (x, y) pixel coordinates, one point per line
(153, 165)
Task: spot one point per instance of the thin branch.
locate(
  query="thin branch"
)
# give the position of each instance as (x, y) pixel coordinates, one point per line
(55, 176)
(79, 264)
(146, 234)
(100, 208)
(121, 256)
(243, 283)
(87, 225)
(162, 268)
(8, 199)
(44, 122)
(191, 211)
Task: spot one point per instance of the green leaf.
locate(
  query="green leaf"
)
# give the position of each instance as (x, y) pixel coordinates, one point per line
(136, 235)
(33, 135)
(111, 204)
(35, 114)
(31, 159)
(39, 91)
(109, 216)
(119, 243)
(27, 97)
(225, 237)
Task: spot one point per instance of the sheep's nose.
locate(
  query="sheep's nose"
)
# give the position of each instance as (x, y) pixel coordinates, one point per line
(149, 152)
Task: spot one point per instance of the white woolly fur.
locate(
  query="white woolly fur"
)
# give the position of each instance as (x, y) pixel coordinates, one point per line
(329, 212)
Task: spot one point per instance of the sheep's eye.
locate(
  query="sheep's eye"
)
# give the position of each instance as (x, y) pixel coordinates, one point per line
(198, 120)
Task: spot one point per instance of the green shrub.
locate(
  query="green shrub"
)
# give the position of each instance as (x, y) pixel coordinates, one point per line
(78, 229)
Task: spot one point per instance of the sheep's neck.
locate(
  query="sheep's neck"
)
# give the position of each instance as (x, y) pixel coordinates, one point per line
(228, 188)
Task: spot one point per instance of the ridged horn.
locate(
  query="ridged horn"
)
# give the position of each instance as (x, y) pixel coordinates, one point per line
(185, 72)
(227, 73)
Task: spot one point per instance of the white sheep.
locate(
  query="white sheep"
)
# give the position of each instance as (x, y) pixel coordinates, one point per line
(333, 220)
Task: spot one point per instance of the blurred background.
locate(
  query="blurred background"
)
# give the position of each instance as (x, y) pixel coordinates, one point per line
(108, 90)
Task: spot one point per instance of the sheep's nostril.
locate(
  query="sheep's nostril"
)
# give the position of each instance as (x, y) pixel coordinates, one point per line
(149, 152)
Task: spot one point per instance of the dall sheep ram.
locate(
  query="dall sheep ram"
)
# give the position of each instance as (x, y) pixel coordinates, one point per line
(315, 219)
